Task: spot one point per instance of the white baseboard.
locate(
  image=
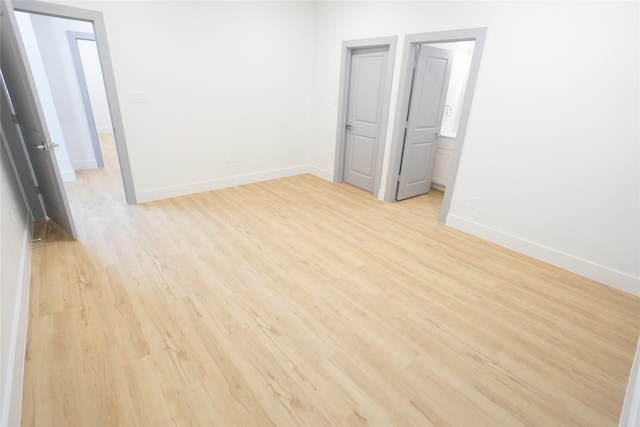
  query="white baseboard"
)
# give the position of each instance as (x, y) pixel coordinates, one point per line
(68, 176)
(215, 184)
(84, 164)
(439, 186)
(599, 273)
(12, 404)
(321, 173)
(105, 129)
(630, 416)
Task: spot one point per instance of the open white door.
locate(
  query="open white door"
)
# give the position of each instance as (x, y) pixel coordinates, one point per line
(428, 95)
(29, 117)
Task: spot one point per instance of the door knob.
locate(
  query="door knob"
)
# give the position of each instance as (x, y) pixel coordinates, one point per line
(348, 126)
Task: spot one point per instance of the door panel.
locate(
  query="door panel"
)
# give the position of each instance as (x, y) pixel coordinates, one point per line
(362, 155)
(22, 94)
(368, 70)
(366, 92)
(19, 154)
(428, 95)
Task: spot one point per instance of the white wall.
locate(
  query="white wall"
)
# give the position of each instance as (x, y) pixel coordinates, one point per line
(551, 151)
(51, 34)
(228, 86)
(95, 85)
(15, 259)
(46, 98)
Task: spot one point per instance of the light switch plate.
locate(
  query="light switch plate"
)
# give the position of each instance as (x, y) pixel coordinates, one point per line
(139, 97)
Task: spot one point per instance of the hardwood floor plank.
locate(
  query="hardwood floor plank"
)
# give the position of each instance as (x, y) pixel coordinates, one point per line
(302, 302)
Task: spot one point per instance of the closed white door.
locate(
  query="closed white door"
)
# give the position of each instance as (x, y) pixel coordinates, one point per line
(366, 94)
(426, 107)
(30, 119)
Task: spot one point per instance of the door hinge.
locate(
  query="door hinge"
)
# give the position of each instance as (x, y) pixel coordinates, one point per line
(38, 190)
(15, 119)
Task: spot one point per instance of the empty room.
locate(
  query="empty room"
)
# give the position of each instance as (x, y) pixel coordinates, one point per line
(320, 213)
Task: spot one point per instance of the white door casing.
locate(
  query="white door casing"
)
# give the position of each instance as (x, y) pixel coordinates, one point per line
(426, 106)
(30, 117)
(364, 113)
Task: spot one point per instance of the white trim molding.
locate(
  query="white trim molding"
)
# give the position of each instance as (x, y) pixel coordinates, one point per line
(321, 173)
(599, 273)
(218, 183)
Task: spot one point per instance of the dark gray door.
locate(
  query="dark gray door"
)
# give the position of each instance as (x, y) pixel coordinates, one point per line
(18, 152)
(426, 106)
(366, 95)
(40, 150)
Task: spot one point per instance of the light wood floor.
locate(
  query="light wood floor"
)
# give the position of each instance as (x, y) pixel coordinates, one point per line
(302, 302)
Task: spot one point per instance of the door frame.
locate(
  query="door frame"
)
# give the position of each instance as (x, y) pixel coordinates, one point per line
(21, 89)
(348, 47)
(410, 43)
(96, 18)
(73, 37)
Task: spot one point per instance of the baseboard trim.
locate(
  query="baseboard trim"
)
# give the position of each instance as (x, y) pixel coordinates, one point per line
(439, 186)
(68, 176)
(615, 279)
(216, 184)
(12, 404)
(84, 164)
(321, 173)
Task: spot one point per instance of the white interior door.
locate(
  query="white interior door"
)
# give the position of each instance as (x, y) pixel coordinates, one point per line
(366, 97)
(426, 106)
(23, 96)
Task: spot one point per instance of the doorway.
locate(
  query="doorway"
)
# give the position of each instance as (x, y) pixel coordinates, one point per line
(363, 111)
(411, 50)
(429, 87)
(52, 48)
(91, 84)
(95, 19)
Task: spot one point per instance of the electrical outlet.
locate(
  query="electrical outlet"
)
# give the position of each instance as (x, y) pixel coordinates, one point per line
(472, 203)
(15, 216)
